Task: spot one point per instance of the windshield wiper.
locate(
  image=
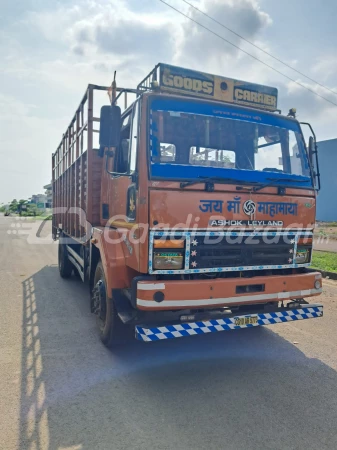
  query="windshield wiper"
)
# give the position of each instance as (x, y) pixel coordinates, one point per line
(275, 180)
(211, 180)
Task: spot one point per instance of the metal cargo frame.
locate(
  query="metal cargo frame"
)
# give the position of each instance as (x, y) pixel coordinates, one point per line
(76, 170)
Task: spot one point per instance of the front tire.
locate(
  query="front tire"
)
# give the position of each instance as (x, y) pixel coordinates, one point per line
(110, 327)
(65, 266)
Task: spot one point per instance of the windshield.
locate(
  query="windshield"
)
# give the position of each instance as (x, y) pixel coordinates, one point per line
(225, 141)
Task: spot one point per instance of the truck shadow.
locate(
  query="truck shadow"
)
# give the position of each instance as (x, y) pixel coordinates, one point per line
(248, 388)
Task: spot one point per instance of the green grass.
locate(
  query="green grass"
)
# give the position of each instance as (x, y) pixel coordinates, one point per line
(324, 261)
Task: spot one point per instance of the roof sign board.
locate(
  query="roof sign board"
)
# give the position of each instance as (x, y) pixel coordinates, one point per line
(191, 82)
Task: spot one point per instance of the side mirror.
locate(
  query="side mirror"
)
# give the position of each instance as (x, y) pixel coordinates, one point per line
(110, 126)
(311, 149)
(314, 163)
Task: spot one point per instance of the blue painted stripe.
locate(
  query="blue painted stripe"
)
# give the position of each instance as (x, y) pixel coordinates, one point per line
(182, 172)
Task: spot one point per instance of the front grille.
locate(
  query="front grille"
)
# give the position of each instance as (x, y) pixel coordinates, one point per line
(244, 251)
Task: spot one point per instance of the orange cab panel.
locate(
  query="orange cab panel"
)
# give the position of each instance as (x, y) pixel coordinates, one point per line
(200, 209)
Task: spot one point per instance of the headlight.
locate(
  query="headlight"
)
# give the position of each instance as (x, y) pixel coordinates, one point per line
(302, 255)
(168, 260)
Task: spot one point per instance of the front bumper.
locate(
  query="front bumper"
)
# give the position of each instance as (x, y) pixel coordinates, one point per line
(156, 295)
(232, 322)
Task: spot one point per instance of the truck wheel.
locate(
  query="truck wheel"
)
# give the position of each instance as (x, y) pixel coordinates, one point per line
(65, 266)
(111, 328)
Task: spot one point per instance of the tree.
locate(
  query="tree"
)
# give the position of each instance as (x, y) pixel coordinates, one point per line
(32, 210)
(22, 206)
(13, 206)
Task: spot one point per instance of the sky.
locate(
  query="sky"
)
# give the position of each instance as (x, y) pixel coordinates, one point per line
(51, 50)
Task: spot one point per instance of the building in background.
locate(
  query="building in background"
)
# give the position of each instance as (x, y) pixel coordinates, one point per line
(49, 194)
(43, 201)
(327, 196)
(40, 200)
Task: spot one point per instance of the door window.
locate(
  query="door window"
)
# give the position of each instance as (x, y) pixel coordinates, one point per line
(134, 139)
(126, 156)
(122, 155)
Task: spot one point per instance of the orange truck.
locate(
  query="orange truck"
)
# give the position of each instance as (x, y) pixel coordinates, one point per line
(190, 212)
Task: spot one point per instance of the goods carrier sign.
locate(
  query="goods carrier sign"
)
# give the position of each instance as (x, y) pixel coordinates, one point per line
(191, 82)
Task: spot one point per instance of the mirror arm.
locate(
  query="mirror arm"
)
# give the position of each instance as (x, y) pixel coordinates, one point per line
(109, 154)
(316, 174)
(106, 166)
(311, 129)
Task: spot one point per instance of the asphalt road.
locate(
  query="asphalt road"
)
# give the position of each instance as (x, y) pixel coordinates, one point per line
(263, 388)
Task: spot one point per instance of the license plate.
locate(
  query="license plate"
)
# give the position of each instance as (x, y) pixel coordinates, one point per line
(249, 320)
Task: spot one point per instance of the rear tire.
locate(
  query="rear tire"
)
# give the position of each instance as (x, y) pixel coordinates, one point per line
(65, 266)
(111, 329)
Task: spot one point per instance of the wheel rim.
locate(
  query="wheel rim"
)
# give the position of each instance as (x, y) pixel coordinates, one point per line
(99, 303)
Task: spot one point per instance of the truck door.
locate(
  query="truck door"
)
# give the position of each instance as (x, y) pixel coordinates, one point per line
(119, 183)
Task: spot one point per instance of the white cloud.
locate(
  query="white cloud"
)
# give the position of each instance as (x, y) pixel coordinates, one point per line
(312, 108)
(243, 16)
(325, 67)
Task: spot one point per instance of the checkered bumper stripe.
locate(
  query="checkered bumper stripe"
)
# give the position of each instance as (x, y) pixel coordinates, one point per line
(149, 334)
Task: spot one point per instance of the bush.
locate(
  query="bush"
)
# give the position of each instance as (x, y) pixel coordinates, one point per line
(324, 261)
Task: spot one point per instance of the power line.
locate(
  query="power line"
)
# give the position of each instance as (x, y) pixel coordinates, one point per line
(261, 49)
(249, 54)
